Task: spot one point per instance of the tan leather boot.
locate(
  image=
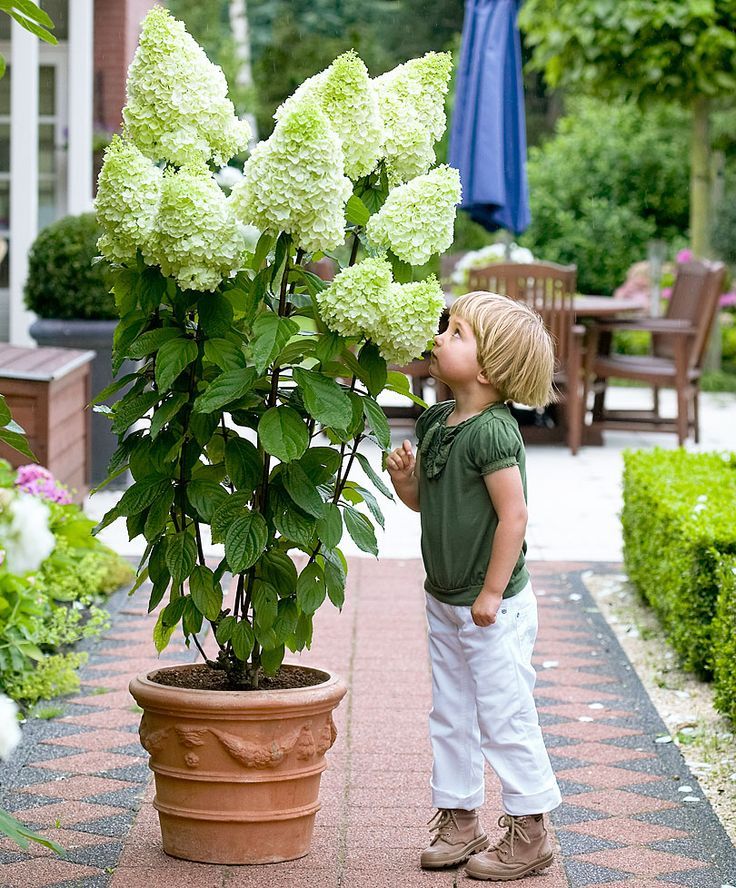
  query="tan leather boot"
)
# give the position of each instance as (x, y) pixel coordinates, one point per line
(523, 850)
(456, 834)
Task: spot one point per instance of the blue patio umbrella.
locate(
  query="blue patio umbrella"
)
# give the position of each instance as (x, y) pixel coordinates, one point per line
(488, 131)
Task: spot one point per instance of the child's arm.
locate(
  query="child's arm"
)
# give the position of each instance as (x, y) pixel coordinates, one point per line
(507, 495)
(403, 468)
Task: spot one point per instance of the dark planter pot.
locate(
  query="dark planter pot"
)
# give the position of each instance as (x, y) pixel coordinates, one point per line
(96, 336)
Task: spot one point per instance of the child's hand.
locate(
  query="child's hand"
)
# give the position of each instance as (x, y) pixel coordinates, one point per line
(401, 463)
(484, 609)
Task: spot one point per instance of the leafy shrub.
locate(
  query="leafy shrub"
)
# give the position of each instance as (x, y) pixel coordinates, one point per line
(678, 532)
(723, 234)
(724, 641)
(62, 280)
(611, 178)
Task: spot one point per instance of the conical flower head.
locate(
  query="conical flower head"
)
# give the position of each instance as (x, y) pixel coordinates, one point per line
(294, 181)
(418, 219)
(128, 197)
(411, 320)
(197, 241)
(411, 103)
(358, 298)
(177, 108)
(345, 93)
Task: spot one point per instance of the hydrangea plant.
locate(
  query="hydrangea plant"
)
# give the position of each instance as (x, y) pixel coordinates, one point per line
(258, 381)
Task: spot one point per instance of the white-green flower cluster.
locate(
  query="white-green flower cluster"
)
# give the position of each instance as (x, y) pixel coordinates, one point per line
(418, 219)
(128, 197)
(177, 107)
(363, 300)
(411, 103)
(294, 181)
(412, 320)
(345, 93)
(197, 240)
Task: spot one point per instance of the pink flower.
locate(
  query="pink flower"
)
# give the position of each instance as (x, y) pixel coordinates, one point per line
(666, 292)
(728, 300)
(684, 256)
(32, 472)
(37, 480)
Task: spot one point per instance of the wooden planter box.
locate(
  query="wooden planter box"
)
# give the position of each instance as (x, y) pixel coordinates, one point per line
(47, 390)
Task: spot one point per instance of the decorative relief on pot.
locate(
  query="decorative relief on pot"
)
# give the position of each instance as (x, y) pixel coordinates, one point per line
(327, 736)
(305, 745)
(191, 759)
(190, 737)
(152, 741)
(254, 755)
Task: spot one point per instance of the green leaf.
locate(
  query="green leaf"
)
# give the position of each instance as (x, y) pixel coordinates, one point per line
(302, 490)
(310, 588)
(356, 212)
(191, 621)
(403, 272)
(271, 333)
(376, 479)
(158, 514)
(375, 371)
(113, 388)
(278, 570)
(161, 634)
(233, 507)
(224, 354)
(242, 640)
(172, 359)
(263, 248)
(329, 346)
(224, 630)
(167, 411)
(329, 526)
(151, 341)
(377, 421)
(335, 577)
(142, 494)
(226, 388)
(285, 623)
(320, 464)
(243, 463)
(370, 500)
(245, 540)
(265, 605)
(215, 314)
(5, 415)
(181, 555)
(206, 593)
(361, 530)
(21, 835)
(283, 433)
(271, 659)
(17, 442)
(206, 497)
(293, 523)
(324, 399)
(302, 636)
(131, 408)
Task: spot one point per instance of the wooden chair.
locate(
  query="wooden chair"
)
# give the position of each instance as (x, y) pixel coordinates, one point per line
(549, 289)
(679, 344)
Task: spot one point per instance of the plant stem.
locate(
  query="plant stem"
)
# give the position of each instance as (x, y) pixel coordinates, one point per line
(354, 251)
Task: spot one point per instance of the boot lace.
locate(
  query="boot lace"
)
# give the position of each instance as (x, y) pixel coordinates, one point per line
(442, 824)
(514, 829)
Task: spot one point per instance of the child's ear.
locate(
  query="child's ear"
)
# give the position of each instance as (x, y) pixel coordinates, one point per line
(482, 378)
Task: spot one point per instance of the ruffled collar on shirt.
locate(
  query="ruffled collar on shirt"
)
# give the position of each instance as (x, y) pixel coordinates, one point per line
(438, 440)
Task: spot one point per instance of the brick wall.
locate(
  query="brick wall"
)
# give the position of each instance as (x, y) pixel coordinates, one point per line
(117, 26)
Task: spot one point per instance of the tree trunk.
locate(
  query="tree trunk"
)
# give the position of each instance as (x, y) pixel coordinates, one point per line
(700, 179)
(238, 10)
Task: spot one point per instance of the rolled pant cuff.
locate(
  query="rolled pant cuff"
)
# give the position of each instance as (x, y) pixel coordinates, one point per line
(539, 803)
(464, 803)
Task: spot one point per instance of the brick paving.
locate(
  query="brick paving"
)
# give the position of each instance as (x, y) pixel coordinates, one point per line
(83, 780)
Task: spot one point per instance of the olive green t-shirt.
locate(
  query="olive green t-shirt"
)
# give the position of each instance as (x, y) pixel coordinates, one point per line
(457, 515)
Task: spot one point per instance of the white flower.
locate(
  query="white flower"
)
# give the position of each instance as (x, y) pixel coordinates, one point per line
(228, 177)
(177, 106)
(294, 181)
(358, 299)
(25, 534)
(487, 256)
(9, 727)
(344, 92)
(418, 219)
(411, 321)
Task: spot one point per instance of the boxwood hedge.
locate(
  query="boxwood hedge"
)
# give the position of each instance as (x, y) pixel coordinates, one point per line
(679, 529)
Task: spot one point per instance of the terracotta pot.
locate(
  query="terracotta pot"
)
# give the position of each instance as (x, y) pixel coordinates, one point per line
(237, 772)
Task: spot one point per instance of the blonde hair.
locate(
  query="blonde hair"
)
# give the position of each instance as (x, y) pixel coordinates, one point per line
(515, 349)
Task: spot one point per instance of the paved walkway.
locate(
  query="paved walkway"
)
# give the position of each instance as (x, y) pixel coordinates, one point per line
(627, 817)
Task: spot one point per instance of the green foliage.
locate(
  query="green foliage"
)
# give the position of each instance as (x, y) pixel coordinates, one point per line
(724, 640)
(671, 49)
(52, 676)
(63, 282)
(611, 175)
(679, 539)
(723, 234)
(11, 433)
(32, 18)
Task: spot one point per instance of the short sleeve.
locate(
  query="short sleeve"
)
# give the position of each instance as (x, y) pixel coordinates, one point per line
(430, 416)
(495, 447)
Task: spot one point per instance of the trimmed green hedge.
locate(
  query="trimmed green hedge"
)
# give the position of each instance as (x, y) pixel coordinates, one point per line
(680, 547)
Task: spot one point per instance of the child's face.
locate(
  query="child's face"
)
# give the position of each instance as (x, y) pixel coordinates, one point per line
(455, 354)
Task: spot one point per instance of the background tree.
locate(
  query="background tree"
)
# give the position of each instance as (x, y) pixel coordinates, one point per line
(680, 51)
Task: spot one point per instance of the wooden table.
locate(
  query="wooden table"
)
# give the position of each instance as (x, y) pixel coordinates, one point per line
(605, 308)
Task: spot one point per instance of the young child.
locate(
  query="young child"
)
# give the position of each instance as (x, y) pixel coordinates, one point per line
(468, 482)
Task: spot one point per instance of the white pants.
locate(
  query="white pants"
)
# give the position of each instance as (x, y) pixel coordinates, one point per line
(482, 706)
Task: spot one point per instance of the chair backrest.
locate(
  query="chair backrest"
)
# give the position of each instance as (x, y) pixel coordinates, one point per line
(545, 286)
(694, 298)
